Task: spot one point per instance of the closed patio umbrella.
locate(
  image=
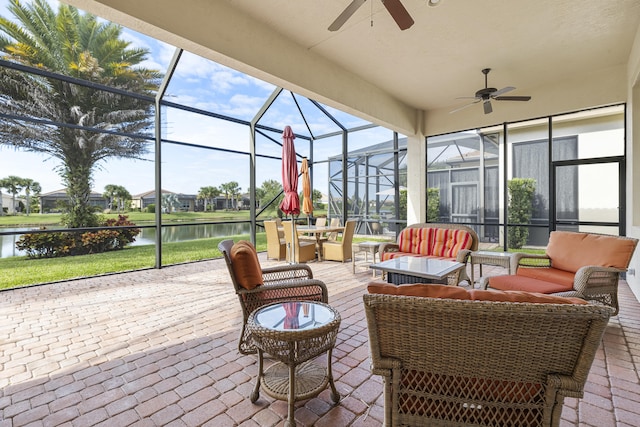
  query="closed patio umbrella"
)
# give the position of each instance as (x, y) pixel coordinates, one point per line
(307, 203)
(290, 205)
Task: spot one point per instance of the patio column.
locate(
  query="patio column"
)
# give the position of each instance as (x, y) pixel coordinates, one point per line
(416, 179)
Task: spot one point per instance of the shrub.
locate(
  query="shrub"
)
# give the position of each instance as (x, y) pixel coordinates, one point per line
(151, 208)
(47, 245)
(66, 243)
(433, 204)
(521, 192)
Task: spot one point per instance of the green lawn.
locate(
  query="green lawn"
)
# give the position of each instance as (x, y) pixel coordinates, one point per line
(21, 271)
(36, 219)
(137, 217)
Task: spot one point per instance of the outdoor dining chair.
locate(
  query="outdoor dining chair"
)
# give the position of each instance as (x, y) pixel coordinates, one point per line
(340, 250)
(297, 250)
(276, 245)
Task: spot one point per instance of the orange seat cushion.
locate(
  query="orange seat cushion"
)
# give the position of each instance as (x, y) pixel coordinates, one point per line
(416, 240)
(245, 264)
(554, 275)
(448, 242)
(528, 284)
(455, 292)
(569, 250)
(385, 256)
(419, 290)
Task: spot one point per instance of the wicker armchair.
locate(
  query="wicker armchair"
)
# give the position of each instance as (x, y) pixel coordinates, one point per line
(279, 283)
(453, 362)
(584, 265)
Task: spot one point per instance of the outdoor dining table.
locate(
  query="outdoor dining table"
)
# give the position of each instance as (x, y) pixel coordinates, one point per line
(318, 232)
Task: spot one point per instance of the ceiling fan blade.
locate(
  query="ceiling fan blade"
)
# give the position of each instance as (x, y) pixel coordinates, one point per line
(398, 13)
(464, 106)
(346, 14)
(501, 91)
(512, 98)
(487, 107)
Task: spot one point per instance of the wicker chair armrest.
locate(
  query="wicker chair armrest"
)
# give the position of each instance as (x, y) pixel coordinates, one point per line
(389, 247)
(463, 256)
(566, 385)
(520, 259)
(596, 276)
(293, 283)
(285, 272)
(483, 282)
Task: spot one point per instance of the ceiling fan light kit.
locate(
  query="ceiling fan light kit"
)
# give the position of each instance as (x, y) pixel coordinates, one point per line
(434, 3)
(486, 94)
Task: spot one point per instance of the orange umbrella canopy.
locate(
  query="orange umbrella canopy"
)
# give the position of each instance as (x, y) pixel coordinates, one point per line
(307, 203)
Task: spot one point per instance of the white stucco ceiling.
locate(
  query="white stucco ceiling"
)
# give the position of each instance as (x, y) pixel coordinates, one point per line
(403, 78)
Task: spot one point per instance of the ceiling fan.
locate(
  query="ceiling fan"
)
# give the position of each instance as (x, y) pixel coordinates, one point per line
(394, 7)
(486, 94)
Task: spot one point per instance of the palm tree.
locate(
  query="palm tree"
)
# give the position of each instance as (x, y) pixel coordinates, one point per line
(13, 185)
(170, 203)
(110, 193)
(230, 189)
(30, 186)
(117, 195)
(122, 196)
(207, 194)
(94, 122)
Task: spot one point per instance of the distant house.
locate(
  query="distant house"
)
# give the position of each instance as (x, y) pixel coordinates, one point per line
(221, 202)
(143, 200)
(50, 202)
(6, 203)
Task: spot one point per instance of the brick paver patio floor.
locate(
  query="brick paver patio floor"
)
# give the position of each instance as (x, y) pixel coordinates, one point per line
(159, 347)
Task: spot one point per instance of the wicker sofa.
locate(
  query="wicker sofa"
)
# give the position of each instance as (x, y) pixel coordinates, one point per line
(452, 242)
(584, 265)
(449, 356)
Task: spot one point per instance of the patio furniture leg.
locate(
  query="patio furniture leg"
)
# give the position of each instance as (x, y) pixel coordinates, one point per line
(256, 390)
(335, 396)
(291, 421)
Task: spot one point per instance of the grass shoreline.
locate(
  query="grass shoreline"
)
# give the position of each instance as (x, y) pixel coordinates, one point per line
(23, 271)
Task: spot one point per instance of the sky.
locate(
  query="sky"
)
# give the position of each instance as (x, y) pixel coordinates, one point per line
(206, 85)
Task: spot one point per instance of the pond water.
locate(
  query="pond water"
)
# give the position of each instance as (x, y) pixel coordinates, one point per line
(146, 237)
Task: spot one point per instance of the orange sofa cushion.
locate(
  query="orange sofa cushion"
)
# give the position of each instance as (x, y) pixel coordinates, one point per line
(528, 284)
(569, 250)
(448, 242)
(554, 275)
(416, 240)
(246, 266)
(427, 241)
(455, 292)
(418, 290)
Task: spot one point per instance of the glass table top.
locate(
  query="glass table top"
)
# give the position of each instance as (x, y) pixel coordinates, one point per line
(295, 315)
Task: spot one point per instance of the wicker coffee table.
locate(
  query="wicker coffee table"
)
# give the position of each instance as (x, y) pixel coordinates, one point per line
(294, 333)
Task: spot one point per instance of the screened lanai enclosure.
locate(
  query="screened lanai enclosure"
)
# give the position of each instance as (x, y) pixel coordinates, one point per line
(574, 166)
(208, 156)
(376, 178)
(201, 160)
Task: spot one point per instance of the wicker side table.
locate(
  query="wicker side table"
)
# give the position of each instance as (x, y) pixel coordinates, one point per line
(294, 333)
(367, 248)
(499, 259)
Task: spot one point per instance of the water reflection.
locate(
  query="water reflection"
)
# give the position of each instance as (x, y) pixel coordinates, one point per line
(147, 236)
